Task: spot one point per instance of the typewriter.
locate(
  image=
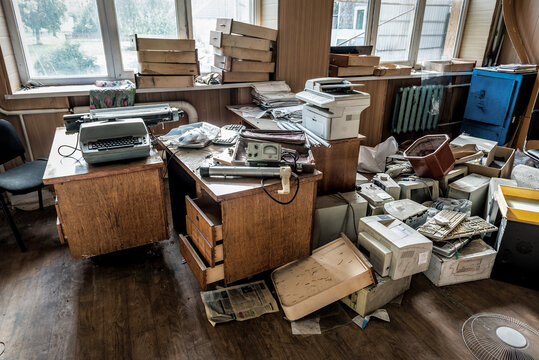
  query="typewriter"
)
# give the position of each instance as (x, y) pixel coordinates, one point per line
(118, 133)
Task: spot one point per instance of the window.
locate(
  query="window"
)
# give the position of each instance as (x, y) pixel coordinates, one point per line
(204, 15)
(401, 31)
(349, 23)
(79, 41)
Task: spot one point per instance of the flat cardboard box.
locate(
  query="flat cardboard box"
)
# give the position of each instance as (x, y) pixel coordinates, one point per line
(229, 26)
(353, 60)
(473, 187)
(168, 69)
(219, 39)
(340, 269)
(350, 71)
(164, 44)
(487, 146)
(163, 81)
(235, 65)
(333, 215)
(519, 204)
(392, 70)
(508, 154)
(176, 57)
(231, 76)
(453, 65)
(245, 54)
(475, 262)
(373, 297)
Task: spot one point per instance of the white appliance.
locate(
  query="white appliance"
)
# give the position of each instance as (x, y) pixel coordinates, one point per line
(333, 107)
(385, 237)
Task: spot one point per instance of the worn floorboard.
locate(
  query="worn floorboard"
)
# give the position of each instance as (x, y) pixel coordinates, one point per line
(144, 303)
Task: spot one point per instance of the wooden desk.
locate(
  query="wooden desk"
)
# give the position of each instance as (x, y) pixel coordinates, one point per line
(108, 207)
(234, 229)
(338, 163)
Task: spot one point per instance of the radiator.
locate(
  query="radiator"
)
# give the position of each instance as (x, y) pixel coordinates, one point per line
(417, 108)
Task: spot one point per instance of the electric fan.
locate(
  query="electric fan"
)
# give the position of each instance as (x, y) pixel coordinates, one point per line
(499, 337)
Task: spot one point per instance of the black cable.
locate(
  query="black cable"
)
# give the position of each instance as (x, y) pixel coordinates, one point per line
(349, 207)
(75, 148)
(274, 199)
(168, 162)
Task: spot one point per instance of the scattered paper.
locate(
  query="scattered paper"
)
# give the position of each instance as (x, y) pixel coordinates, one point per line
(363, 321)
(241, 302)
(308, 326)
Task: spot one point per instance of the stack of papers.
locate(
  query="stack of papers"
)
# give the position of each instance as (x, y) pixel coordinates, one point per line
(273, 95)
(517, 68)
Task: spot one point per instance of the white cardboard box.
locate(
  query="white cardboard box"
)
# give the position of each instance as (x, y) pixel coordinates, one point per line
(373, 297)
(475, 262)
(330, 216)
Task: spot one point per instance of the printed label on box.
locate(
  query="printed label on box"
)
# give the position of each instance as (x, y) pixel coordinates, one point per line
(468, 266)
(422, 258)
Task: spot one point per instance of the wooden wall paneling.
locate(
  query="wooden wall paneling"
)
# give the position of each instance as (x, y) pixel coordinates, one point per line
(269, 16)
(40, 130)
(303, 42)
(477, 29)
(371, 121)
(9, 62)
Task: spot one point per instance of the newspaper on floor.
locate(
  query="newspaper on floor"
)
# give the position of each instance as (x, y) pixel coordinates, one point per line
(241, 302)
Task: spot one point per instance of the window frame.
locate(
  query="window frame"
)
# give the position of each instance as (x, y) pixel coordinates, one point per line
(106, 10)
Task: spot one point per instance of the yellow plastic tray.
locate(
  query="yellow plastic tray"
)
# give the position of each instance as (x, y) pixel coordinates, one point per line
(519, 204)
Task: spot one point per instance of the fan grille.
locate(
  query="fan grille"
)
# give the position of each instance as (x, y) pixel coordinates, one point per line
(479, 334)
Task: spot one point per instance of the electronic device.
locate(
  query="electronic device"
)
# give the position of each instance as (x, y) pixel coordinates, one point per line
(442, 224)
(263, 154)
(408, 211)
(386, 183)
(419, 189)
(117, 133)
(333, 107)
(228, 135)
(383, 234)
(449, 248)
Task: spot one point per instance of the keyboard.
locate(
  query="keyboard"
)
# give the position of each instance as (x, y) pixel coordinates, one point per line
(115, 143)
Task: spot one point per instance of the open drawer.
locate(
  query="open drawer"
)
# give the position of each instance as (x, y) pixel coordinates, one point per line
(206, 216)
(212, 254)
(203, 272)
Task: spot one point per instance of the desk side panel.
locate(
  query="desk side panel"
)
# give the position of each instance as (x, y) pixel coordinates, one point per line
(112, 213)
(260, 234)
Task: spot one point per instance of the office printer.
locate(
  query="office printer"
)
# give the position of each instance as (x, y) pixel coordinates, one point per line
(395, 249)
(333, 107)
(117, 133)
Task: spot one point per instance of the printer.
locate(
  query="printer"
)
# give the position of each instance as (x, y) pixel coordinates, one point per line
(395, 249)
(117, 133)
(333, 107)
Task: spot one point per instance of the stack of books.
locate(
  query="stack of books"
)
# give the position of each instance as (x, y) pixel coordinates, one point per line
(274, 95)
(166, 63)
(517, 68)
(242, 51)
(352, 64)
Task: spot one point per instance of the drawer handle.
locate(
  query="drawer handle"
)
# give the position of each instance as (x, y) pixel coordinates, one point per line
(197, 218)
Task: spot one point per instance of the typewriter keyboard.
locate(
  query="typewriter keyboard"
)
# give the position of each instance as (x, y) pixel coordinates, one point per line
(115, 143)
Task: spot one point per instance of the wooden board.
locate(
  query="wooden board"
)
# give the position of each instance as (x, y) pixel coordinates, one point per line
(168, 69)
(219, 39)
(203, 273)
(180, 57)
(350, 71)
(246, 54)
(392, 70)
(353, 60)
(229, 26)
(163, 81)
(164, 44)
(230, 76)
(230, 64)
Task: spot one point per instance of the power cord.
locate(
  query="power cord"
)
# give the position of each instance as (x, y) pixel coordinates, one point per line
(348, 208)
(277, 201)
(74, 148)
(168, 162)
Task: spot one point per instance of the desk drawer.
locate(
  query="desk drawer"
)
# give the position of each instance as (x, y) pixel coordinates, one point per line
(211, 254)
(206, 215)
(203, 273)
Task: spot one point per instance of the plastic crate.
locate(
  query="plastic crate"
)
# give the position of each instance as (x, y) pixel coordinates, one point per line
(431, 156)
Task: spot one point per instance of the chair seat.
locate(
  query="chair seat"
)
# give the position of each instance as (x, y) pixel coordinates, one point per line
(25, 178)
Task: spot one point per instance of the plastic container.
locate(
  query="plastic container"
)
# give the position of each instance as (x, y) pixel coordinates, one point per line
(431, 156)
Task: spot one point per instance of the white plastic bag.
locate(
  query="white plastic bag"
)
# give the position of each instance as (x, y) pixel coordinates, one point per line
(373, 159)
(195, 135)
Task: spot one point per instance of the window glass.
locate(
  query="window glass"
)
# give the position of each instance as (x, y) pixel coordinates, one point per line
(394, 29)
(146, 18)
(61, 38)
(205, 13)
(349, 22)
(434, 30)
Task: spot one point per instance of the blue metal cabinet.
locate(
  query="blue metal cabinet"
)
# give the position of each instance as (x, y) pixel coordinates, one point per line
(494, 102)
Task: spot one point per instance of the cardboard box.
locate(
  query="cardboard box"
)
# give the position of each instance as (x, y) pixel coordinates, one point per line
(392, 70)
(163, 81)
(373, 297)
(505, 153)
(331, 214)
(475, 262)
(473, 187)
(353, 60)
(487, 146)
(350, 71)
(453, 65)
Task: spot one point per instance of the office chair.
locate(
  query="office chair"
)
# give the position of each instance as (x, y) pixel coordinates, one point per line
(531, 144)
(23, 179)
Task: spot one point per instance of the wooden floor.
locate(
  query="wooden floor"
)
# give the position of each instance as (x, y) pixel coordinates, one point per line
(144, 303)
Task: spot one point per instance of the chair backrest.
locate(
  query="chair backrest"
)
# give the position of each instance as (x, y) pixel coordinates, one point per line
(10, 144)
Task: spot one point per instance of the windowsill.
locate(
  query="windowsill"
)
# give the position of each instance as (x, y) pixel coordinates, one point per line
(84, 90)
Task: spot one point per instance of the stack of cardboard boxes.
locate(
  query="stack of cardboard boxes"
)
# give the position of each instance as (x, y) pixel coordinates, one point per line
(352, 64)
(166, 63)
(242, 51)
